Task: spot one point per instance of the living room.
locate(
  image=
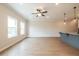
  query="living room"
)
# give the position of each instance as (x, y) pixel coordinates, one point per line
(46, 29)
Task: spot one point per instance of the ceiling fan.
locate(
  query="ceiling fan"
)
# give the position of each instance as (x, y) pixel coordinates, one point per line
(40, 12)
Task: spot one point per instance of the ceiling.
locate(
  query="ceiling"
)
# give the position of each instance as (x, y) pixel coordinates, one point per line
(55, 12)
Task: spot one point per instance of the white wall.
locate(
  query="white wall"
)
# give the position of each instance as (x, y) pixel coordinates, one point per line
(4, 40)
(50, 28)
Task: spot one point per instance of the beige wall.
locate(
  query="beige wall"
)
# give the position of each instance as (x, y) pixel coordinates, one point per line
(4, 40)
(50, 28)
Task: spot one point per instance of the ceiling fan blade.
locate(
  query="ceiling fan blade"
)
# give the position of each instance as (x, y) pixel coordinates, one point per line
(42, 14)
(44, 11)
(38, 10)
(34, 13)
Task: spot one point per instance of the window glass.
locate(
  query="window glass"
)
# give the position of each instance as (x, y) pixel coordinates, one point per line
(22, 28)
(12, 27)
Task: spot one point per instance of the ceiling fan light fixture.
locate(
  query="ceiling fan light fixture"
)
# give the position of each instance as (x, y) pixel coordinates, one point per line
(39, 14)
(74, 12)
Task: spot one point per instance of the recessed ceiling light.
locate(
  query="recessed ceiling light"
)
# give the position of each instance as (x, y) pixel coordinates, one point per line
(57, 3)
(21, 3)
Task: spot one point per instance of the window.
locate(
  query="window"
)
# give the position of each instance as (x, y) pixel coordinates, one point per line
(12, 27)
(22, 28)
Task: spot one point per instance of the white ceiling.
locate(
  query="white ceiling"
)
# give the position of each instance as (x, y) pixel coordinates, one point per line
(55, 12)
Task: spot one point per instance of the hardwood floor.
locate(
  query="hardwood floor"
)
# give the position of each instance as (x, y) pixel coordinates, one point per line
(41, 47)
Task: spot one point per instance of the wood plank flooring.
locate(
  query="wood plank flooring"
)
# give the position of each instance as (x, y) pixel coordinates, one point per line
(41, 47)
